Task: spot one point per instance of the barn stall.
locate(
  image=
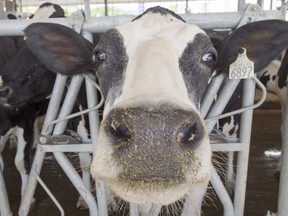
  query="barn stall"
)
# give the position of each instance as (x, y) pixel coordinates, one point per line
(51, 140)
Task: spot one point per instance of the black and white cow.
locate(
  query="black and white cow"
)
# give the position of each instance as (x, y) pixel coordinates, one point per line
(17, 118)
(153, 146)
(27, 82)
(274, 77)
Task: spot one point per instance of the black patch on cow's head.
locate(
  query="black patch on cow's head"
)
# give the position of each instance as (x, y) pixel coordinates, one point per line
(196, 72)
(161, 10)
(111, 61)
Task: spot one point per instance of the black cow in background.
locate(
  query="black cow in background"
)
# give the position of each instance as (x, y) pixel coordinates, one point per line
(18, 120)
(27, 82)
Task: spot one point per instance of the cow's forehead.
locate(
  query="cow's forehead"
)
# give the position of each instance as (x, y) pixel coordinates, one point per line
(159, 26)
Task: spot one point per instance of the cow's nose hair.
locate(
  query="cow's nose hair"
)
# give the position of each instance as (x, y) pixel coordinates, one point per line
(5, 91)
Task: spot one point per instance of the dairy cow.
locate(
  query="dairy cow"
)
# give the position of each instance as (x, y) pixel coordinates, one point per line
(153, 146)
(25, 92)
(274, 77)
(17, 118)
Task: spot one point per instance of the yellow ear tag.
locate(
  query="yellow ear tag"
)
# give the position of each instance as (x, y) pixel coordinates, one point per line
(242, 68)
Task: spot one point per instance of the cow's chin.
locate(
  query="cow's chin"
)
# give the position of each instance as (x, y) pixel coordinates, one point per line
(139, 192)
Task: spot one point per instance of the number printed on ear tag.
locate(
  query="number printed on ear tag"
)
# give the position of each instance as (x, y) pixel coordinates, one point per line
(242, 68)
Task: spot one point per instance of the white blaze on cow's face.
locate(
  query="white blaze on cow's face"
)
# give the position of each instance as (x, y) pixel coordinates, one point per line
(153, 145)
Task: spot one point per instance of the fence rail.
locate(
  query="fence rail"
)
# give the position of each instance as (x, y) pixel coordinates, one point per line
(203, 20)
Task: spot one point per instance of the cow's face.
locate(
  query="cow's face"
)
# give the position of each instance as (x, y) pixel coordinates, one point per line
(25, 80)
(153, 146)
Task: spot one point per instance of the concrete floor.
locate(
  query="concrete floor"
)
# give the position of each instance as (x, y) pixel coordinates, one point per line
(262, 187)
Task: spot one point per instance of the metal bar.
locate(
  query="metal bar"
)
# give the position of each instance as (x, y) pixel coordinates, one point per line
(54, 103)
(222, 193)
(227, 147)
(91, 93)
(94, 123)
(226, 92)
(106, 7)
(77, 182)
(68, 148)
(67, 106)
(222, 100)
(87, 147)
(93, 115)
(134, 210)
(243, 156)
(38, 160)
(241, 5)
(102, 24)
(87, 9)
(283, 187)
(4, 201)
(55, 201)
(27, 198)
(211, 93)
(68, 103)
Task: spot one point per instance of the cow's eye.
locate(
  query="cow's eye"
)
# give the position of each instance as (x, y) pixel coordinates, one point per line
(100, 56)
(208, 57)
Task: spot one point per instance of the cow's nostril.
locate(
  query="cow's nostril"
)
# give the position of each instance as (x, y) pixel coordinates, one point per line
(4, 92)
(119, 130)
(189, 134)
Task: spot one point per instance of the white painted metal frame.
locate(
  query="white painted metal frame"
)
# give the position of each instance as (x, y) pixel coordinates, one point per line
(216, 20)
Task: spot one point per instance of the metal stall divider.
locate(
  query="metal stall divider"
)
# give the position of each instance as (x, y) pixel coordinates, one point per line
(218, 20)
(240, 145)
(49, 144)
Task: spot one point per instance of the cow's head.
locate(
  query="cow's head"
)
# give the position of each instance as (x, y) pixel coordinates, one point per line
(153, 138)
(24, 78)
(152, 145)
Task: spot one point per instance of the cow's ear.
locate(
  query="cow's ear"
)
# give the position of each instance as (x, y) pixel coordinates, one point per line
(60, 48)
(263, 41)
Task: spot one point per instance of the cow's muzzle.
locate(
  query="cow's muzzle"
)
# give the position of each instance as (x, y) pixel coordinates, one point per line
(154, 144)
(5, 91)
